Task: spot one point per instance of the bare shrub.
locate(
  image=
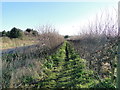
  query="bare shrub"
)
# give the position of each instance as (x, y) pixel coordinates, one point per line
(49, 37)
(98, 44)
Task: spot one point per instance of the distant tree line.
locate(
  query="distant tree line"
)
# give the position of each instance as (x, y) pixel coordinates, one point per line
(18, 33)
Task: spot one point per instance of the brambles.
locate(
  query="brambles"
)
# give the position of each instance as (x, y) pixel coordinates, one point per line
(100, 58)
(98, 46)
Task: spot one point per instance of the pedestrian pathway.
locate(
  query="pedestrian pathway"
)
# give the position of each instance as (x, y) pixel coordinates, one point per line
(66, 69)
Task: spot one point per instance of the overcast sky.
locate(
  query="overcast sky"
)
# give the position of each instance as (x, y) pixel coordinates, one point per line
(67, 17)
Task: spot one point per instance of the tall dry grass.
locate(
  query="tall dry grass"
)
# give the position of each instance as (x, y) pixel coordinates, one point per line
(8, 43)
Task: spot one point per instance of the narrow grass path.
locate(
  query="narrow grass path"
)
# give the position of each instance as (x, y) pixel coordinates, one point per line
(65, 69)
